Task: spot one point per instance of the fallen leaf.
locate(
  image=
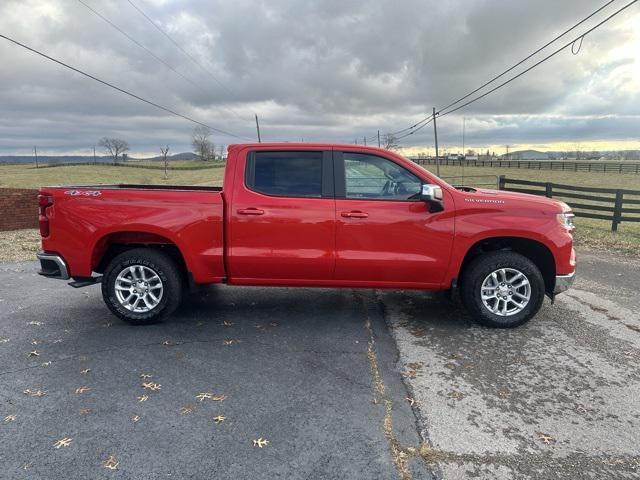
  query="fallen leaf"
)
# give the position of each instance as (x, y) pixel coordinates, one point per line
(10, 418)
(186, 409)
(151, 386)
(36, 393)
(456, 395)
(111, 463)
(166, 342)
(219, 419)
(204, 396)
(411, 401)
(145, 376)
(230, 342)
(34, 342)
(135, 418)
(57, 340)
(4, 340)
(35, 323)
(46, 364)
(227, 323)
(546, 439)
(82, 390)
(143, 398)
(63, 442)
(86, 370)
(261, 442)
(34, 354)
(85, 411)
(218, 398)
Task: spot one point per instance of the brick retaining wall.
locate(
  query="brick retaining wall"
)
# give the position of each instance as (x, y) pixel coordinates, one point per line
(18, 208)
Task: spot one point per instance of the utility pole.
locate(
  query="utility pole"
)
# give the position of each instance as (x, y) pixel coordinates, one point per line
(435, 136)
(464, 121)
(378, 138)
(35, 153)
(507, 152)
(94, 155)
(258, 128)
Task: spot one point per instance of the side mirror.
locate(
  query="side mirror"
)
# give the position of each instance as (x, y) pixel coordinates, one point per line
(432, 195)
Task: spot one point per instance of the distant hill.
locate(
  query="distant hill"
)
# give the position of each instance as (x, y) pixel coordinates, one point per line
(49, 159)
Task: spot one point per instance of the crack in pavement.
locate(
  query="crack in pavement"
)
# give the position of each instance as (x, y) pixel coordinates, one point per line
(400, 454)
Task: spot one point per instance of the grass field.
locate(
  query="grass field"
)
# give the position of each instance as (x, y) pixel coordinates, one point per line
(21, 176)
(590, 233)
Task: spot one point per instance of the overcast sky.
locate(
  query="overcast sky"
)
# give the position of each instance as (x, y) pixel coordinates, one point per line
(327, 70)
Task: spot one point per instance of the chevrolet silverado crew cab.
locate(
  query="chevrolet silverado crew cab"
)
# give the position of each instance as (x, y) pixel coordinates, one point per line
(309, 215)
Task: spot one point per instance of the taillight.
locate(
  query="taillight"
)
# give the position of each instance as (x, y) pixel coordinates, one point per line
(44, 201)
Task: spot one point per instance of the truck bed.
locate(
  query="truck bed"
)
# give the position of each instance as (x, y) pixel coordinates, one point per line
(87, 221)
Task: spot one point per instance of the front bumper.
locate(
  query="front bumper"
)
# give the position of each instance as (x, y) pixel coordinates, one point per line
(52, 266)
(564, 282)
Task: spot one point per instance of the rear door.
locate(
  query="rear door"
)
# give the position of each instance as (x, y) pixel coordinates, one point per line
(282, 217)
(385, 235)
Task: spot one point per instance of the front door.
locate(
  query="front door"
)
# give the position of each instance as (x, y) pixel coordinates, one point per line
(282, 218)
(385, 235)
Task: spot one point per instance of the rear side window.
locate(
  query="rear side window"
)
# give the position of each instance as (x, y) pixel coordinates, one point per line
(287, 174)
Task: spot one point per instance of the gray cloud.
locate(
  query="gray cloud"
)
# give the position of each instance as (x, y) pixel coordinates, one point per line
(327, 70)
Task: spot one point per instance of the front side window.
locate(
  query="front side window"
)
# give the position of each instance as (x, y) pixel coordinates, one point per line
(376, 178)
(288, 174)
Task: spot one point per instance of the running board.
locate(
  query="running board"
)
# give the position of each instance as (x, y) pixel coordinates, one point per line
(85, 282)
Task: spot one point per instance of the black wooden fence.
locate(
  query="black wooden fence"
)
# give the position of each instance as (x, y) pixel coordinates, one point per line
(568, 166)
(614, 204)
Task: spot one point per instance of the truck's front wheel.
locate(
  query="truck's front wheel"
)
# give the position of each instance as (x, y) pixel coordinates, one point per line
(502, 289)
(142, 286)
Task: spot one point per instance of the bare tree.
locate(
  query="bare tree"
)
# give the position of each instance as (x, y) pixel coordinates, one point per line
(114, 147)
(391, 142)
(201, 144)
(165, 152)
(222, 153)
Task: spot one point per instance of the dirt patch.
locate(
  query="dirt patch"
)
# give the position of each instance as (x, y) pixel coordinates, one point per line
(19, 245)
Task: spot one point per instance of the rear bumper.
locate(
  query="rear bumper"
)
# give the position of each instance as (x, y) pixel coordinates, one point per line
(52, 266)
(564, 282)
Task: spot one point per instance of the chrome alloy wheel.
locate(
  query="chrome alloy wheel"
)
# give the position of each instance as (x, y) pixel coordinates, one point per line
(506, 292)
(139, 289)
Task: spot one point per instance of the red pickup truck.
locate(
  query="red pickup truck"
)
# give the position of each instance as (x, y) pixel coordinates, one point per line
(309, 215)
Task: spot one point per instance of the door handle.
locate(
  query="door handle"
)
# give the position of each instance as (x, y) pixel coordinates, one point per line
(250, 211)
(355, 214)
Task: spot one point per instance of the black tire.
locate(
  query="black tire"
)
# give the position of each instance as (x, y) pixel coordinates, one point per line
(159, 263)
(484, 265)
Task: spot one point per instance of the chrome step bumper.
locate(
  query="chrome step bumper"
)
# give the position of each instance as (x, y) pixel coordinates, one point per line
(52, 266)
(564, 282)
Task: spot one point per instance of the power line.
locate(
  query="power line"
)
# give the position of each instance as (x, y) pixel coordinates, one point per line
(521, 62)
(105, 19)
(177, 45)
(133, 40)
(440, 113)
(121, 90)
(530, 55)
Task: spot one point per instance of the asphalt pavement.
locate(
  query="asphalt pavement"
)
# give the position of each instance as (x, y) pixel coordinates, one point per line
(302, 383)
(301, 369)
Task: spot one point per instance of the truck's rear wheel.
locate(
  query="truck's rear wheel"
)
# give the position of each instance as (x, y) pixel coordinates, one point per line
(502, 289)
(142, 286)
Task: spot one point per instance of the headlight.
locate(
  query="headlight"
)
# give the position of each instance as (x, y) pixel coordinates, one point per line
(566, 221)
